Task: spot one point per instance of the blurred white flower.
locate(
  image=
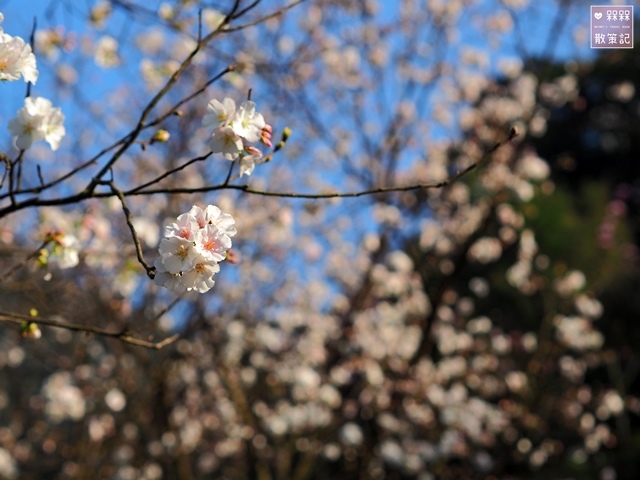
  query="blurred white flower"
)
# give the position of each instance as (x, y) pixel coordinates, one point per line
(115, 399)
(572, 282)
(351, 434)
(106, 53)
(485, 250)
(65, 251)
(532, 167)
(577, 333)
(64, 400)
(589, 307)
(8, 465)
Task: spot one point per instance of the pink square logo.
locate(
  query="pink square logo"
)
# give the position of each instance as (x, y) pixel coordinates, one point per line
(611, 26)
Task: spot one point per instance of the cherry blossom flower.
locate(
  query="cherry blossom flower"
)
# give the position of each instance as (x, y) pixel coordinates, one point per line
(211, 244)
(192, 248)
(220, 113)
(225, 140)
(177, 254)
(165, 279)
(65, 251)
(106, 54)
(200, 278)
(16, 59)
(248, 124)
(234, 129)
(38, 120)
(53, 127)
(248, 162)
(213, 215)
(183, 228)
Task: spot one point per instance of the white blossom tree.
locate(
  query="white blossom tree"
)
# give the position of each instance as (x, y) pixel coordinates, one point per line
(293, 239)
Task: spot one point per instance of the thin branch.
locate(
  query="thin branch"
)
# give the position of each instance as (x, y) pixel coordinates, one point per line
(85, 194)
(265, 18)
(171, 172)
(122, 335)
(373, 191)
(173, 79)
(21, 264)
(72, 172)
(136, 241)
(191, 96)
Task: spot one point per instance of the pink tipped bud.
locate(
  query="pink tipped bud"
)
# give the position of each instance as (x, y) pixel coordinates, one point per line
(253, 151)
(265, 136)
(232, 257)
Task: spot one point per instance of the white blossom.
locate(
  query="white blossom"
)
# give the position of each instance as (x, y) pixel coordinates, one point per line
(38, 120)
(200, 278)
(225, 140)
(192, 248)
(65, 251)
(211, 244)
(16, 59)
(106, 54)
(220, 113)
(248, 123)
(234, 130)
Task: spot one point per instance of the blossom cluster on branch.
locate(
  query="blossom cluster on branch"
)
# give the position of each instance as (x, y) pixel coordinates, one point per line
(192, 248)
(38, 119)
(234, 129)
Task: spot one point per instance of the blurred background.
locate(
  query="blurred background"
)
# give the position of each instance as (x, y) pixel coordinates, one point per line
(480, 330)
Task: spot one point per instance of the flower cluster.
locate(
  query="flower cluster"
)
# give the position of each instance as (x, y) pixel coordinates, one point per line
(192, 248)
(234, 128)
(61, 249)
(38, 120)
(16, 58)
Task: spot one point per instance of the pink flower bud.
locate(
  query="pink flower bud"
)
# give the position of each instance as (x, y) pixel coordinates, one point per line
(253, 151)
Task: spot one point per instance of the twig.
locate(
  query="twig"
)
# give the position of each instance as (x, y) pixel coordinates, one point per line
(172, 171)
(127, 213)
(21, 264)
(85, 194)
(265, 18)
(122, 335)
(399, 188)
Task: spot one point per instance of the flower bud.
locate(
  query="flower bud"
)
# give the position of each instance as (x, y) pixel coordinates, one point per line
(30, 330)
(252, 151)
(286, 133)
(161, 136)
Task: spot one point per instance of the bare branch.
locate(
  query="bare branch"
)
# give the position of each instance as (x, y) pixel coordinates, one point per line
(373, 191)
(136, 241)
(21, 264)
(265, 18)
(123, 335)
